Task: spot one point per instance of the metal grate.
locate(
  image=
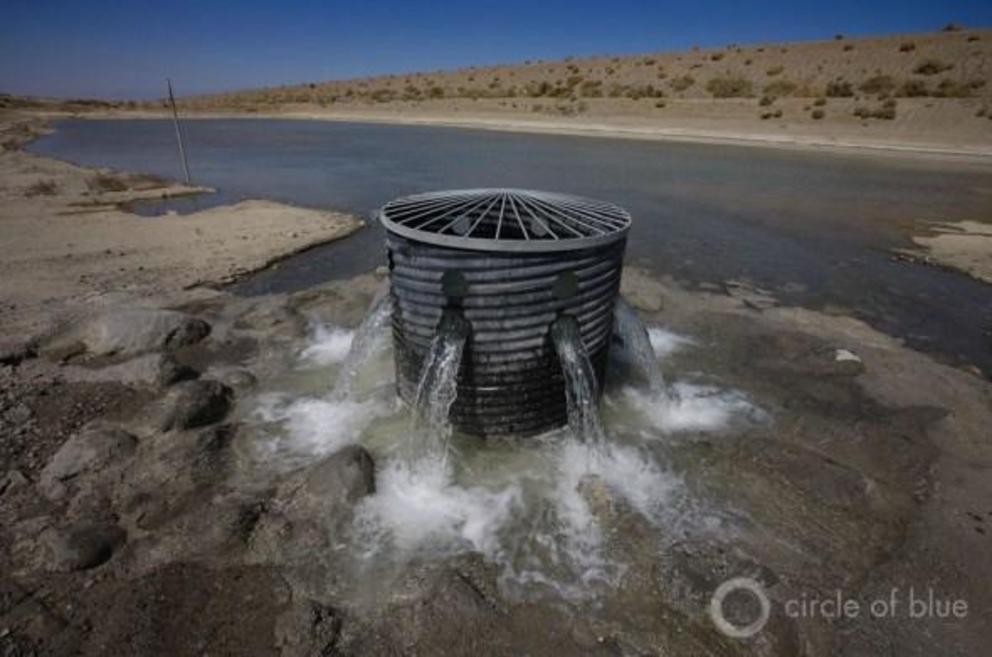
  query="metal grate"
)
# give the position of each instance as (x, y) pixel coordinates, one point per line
(505, 220)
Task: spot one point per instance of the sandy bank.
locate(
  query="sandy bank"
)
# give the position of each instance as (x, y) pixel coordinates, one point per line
(965, 246)
(63, 238)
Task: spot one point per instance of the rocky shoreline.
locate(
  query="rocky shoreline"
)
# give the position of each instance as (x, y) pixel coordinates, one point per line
(134, 523)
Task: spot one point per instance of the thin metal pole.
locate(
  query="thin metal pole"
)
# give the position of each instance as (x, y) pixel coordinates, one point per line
(179, 132)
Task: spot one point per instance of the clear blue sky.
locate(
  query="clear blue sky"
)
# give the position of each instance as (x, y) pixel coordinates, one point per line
(111, 49)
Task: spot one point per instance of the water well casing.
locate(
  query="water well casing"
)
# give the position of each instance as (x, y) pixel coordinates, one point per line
(511, 262)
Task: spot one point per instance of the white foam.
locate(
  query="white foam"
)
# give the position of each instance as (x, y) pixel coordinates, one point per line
(665, 342)
(419, 505)
(318, 427)
(691, 407)
(329, 345)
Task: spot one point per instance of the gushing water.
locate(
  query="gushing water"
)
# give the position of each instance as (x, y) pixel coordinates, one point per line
(581, 390)
(438, 384)
(367, 337)
(549, 511)
(628, 326)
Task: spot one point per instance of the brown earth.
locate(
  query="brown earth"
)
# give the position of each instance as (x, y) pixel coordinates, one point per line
(64, 238)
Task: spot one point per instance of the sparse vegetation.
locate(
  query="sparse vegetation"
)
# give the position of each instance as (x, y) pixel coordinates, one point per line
(106, 183)
(952, 89)
(913, 89)
(878, 84)
(887, 111)
(729, 87)
(932, 67)
(875, 71)
(777, 114)
(682, 82)
(817, 114)
(780, 88)
(839, 89)
(41, 188)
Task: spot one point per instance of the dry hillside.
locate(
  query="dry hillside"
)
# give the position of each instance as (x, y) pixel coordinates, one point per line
(868, 76)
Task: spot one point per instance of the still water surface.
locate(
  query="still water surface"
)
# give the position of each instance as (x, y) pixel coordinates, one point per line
(813, 228)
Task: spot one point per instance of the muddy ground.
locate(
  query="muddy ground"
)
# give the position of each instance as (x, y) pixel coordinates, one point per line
(132, 524)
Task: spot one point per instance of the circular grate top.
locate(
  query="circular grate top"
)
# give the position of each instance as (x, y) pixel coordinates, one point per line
(505, 220)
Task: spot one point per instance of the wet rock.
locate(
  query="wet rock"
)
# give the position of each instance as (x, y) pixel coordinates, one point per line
(13, 481)
(238, 379)
(18, 414)
(91, 450)
(14, 353)
(349, 474)
(158, 369)
(81, 547)
(194, 404)
(311, 506)
(751, 296)
(599, 497)
(433, 610)
(642, 291)
(126, 332)
(307, 629)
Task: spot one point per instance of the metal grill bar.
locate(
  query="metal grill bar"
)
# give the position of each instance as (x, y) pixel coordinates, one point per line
(477, 219)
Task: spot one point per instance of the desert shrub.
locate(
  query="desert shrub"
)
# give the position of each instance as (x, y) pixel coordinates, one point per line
(952, 89)
(41, 188)
(932, 67)
(973, 37)
(774, 70)
(848, 47)
(780, 88)
(777, 114)
(748, 62)
(766, 101)
(729, 87)
(591, 88)
(682, 82)
(839, 89)
(106, 183)
(838, 37)
(717, 56)
(982, 111)
(878, 84)
(951, 27)
(436, 92)
(818, 114)
(659, 104)
(887, 111)
(381, 95)
(650, 61)
(913, 89)
(907, 46)
(820, 102)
